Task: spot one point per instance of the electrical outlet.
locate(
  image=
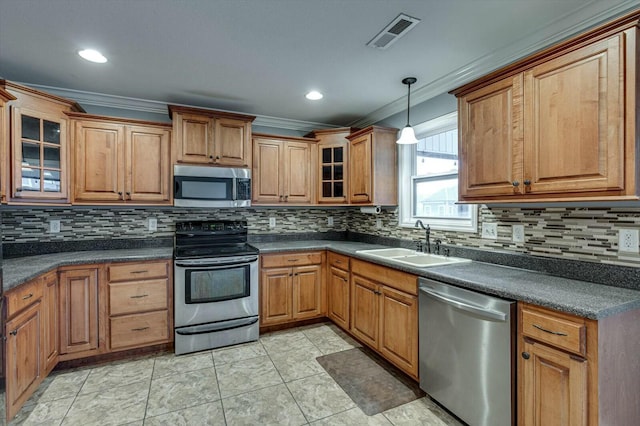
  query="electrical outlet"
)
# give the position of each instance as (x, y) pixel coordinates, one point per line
(54, 226)
(330, 221)
(378, 223)
(517, 233)
(490, 231)
(628, 240)
(272, 222)
(153, 224)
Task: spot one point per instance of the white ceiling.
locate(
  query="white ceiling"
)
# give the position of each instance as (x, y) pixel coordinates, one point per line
(261, 56)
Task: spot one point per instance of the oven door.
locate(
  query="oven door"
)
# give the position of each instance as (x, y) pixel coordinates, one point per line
(216, 289)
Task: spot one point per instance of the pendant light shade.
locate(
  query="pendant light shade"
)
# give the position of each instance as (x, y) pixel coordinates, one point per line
(408, 136)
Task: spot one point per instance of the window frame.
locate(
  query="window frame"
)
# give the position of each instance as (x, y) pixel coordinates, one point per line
(406, 181)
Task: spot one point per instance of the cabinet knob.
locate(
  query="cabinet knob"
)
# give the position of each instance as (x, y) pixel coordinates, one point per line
(13, 333)
(128, 194)
(280, 198)
(527, 182)
(120, 195)
(217, 157)
(286, 198)
(526, 355)
(515, 183)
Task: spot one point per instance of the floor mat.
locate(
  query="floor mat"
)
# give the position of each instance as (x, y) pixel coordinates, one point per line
(371, 382)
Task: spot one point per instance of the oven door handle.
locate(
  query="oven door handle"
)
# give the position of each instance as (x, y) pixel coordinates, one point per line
(217, 265)
(215, 327)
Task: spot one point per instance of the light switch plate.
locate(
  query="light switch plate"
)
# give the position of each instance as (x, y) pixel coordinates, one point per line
(272, 222)
(517, 233)
(378, 223)
(153, 224)
(54, 226)
(330, 221)
(628, 240)
(490, 231)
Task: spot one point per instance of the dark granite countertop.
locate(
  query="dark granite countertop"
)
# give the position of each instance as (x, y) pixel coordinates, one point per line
(582, 298)
(20, 270)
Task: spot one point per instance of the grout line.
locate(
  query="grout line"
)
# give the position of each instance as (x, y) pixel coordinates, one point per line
(215, 371)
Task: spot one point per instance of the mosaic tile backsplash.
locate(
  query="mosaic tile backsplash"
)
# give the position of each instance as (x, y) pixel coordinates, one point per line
(589, 234)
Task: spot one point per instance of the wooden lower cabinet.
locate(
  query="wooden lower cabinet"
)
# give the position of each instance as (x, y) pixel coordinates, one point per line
(292, 293)
(383, 317)
(338, 300)
(79, 312)
(555, 387)
(50, 315)
(24, 352)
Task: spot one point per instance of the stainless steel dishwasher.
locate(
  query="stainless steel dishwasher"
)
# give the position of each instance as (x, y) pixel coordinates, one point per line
(467, 350)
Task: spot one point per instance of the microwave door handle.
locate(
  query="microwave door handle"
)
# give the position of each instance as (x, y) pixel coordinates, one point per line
(234, 191)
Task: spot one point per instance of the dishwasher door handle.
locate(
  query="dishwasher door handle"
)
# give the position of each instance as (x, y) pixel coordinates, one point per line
(486, 313)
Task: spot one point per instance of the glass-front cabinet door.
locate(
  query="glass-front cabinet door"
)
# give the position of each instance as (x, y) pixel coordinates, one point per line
(39, 155)
(332, 173)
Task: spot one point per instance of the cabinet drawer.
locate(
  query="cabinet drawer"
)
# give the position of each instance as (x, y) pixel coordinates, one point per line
(137, 271)
(339, 261)
(137, 296)
(388, 276)
(293, 259)
(23, 296)
(557, 330)
(139, 329)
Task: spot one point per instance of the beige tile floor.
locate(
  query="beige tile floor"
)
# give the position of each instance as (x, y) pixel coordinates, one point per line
(275, 381)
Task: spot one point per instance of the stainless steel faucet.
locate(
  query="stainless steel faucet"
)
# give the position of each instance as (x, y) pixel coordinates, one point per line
(427, 247)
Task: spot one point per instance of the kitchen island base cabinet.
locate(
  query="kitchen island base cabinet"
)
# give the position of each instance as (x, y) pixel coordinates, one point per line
(384, 313)
(292, 287)
(50, 315)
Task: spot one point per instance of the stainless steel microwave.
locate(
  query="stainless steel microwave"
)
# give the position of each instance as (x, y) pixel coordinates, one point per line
(202, 186)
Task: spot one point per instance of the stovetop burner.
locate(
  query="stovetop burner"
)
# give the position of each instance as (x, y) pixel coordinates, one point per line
(213, 238)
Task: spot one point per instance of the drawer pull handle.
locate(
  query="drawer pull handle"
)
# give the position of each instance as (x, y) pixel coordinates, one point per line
(344, 279)
(557, 333)
(338, 261)
(140, 272)
(139, 297)
(293, 260)
(140, 329)
(28, 296)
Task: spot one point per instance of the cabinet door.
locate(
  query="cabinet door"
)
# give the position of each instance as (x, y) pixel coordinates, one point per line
(148, 165)
(360, 169)
(99, 161)
(332, 179)
(399, 329)
(24, 357)
(297, 169)
(194, 138)
(78, 311)
(554, 387)
(275, 296)
(307, 292)
(490, 138)
(50, 309)
(338, 294)
(233, 142)
(365, 312)
(39, 155)
(268, 173)
(574, 112)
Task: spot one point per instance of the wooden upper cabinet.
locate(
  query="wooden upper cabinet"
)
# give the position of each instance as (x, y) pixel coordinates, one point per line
(491, 139)
(216, 138)
(121, 161)
(373, 166)
(283, 169)
(333, 165)
(574, 134)
(557, 126)
(38, 145)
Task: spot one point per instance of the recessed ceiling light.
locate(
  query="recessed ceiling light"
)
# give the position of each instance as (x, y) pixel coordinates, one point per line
(314, 95)
(93, 56)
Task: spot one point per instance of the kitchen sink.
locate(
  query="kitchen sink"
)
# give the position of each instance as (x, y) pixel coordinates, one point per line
(412, 257)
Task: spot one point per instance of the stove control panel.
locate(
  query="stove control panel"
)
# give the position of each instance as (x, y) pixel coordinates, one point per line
(213, 227)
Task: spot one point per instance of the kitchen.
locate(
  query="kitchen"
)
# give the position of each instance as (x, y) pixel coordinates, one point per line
(585, 232)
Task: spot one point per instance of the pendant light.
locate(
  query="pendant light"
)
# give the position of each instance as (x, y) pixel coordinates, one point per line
(408, 136)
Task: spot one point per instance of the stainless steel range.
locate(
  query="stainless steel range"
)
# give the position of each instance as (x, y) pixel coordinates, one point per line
(216, 285)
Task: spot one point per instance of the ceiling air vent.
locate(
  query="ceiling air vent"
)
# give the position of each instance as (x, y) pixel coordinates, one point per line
(392, 32)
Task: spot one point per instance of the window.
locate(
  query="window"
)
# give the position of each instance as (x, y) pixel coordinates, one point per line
(428, 177)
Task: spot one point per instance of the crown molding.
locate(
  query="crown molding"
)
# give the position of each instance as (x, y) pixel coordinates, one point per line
(491, 62)
(158, 107)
